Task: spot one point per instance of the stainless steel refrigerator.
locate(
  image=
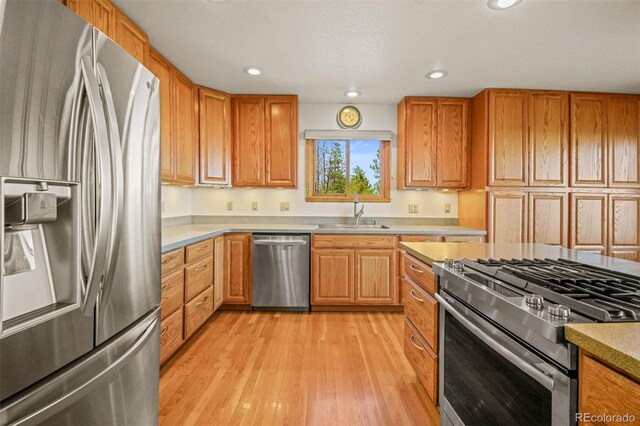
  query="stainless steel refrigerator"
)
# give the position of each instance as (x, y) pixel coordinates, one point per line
(79, 183)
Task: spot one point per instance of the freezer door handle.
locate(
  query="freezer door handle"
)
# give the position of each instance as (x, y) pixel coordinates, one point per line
(103, 155)
(60, 392)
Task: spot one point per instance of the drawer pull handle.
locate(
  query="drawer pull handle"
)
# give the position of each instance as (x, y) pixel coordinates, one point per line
(415, 297)
(414, 343)
(202, 248)
(164, 262)
(164, 331)
(164, 287)
(202, 268)
(413, 268)
(202, 301)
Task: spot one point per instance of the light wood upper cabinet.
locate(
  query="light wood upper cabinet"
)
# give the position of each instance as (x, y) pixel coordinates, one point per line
(548, 138)
(248, 141)
(162, 69)
(507, 217)
(131, 38)
(549, 218)
(508, 138)
(589, 222)
(237, 269)
(281, 143)
(623, 123)
(215, 137)
(265, 141)
(100, 13)
(332, 277)
(375, 277)
(218, 272)
(624, 226)
(417, 142)
(452, 158)
(588, 140)
(184, 104)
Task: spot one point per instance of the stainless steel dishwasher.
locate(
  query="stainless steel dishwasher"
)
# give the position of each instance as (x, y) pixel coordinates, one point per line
(280, 272)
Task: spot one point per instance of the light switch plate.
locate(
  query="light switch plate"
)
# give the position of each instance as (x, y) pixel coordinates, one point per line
(413, 208)
(229, 205)
(447, 208)
(254, 206)
(284, 206)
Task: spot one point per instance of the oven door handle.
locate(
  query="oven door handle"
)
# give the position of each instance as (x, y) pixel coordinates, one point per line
(531, 370)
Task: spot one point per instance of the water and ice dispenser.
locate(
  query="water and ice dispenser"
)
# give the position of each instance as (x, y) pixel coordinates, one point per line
(40, 245)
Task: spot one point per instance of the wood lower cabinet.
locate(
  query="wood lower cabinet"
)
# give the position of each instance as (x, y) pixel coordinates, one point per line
(508, 217)
(172, 293)
(332, 277)
(218, 272)
(589, 222)
(197, 277)
(422, 358)
(421, 309)
(464, 239)
(171, 337)
(606, 391)
(588, 140)
(215, 137)
(375, 277)
(508, 138)
(197, 311)
(549, 218)
(624, 226)
(623, 125)
(237, 269)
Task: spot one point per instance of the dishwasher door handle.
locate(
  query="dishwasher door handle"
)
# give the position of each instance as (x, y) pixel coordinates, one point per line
(280, 243)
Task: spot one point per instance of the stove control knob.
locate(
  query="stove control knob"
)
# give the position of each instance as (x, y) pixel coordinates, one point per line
(448, 263)
(458, 266)
(560, 312)
(534, 301)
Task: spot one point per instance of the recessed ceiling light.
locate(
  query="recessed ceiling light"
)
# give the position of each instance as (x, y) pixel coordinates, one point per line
(252, 71)
(436, 74)
(502, 4)
(352, 93)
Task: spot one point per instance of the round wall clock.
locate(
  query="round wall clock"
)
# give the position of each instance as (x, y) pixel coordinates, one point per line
(349, 117)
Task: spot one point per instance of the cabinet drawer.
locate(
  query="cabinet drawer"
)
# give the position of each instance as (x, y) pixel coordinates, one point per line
(423, 360)
(199, 250)
(464, 239)
(170, 335)
(353, 241)
(198, 311)
(422, 310)
(198, 277)
(172, 261)
(172, 293)
(421, 238)
(420, 273)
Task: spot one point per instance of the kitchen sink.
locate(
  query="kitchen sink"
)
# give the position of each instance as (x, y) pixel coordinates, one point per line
(350, 226)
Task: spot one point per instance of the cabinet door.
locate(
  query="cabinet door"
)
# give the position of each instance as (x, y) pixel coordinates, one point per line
(549, 218)
(184, 127)
(452, 158)
(623, 122)
(104, 17)
(237, 270)
(332, 279)
(589, 222)
(131, 38)
(507, 138)
(281, 143)
(218, 272)
(588, 140)
(508, 217)
(248, 141)
(162, 69)
(420, 143)
(548, 138)
(215, 137)
(83, 8)
(624, 229)
(375, 277)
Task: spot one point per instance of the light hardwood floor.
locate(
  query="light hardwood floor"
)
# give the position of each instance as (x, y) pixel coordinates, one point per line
(294, 369)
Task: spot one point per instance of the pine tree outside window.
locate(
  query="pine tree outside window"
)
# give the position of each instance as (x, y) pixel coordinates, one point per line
(337, 168)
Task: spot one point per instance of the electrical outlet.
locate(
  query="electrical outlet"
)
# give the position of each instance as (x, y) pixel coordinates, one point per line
(229, 205)
(413, 208)
(254, 206)
(284, 206)
(447, 208)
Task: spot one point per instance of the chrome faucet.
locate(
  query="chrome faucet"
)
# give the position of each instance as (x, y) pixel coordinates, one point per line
(357, 215)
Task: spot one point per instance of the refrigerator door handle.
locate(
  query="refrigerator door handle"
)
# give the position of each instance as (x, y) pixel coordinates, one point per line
(117, 176)
(101, 243)
(22, 412)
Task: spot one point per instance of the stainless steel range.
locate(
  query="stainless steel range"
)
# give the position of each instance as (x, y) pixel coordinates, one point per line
(503, 355)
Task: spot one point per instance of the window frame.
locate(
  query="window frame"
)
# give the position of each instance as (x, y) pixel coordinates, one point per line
(385, 175)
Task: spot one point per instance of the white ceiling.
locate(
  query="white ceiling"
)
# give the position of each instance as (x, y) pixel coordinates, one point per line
(319, 49)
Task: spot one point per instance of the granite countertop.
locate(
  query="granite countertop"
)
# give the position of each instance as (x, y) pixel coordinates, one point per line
(616, 343)
(174, 237)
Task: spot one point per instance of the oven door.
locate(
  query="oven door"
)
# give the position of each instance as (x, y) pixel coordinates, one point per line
(488, 378)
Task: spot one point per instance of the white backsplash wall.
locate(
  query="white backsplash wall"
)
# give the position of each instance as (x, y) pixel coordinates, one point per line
(208, 201)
